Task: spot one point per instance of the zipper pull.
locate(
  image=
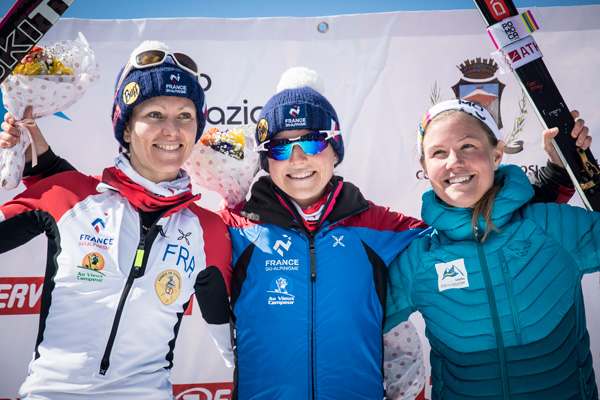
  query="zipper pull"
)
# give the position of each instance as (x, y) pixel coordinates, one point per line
(313, 260)
(139, 257)
(477, 233)
(104, 366)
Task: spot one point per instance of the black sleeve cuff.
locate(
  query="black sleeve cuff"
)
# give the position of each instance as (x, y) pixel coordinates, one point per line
(48, 163)
(558, 174)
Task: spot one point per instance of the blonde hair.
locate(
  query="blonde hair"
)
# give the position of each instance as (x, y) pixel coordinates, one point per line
(485, 204)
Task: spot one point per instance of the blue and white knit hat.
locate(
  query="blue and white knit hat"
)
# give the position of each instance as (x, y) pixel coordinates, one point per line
(166, 79)
(298, 104)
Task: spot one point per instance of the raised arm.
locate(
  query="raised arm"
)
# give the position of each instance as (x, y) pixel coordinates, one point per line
(552, 183)
(48, 163)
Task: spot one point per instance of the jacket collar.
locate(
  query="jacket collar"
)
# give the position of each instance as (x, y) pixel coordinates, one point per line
(265, 206)
(455, 222)
(140, 197)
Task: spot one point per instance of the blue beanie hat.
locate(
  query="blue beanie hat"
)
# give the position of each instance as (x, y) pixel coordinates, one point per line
(166, 79)
(298, 104)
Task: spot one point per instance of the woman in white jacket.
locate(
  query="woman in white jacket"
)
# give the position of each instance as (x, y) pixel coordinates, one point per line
(128, 249)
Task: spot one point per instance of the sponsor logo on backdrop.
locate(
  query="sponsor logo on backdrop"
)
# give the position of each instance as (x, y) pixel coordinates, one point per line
(203, 391)
(233, 114)
(20, 295)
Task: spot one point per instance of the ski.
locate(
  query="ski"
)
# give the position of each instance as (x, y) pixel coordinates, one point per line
(511, 34)
(23, 26)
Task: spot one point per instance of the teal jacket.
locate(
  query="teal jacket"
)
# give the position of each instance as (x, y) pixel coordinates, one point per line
(505, 318)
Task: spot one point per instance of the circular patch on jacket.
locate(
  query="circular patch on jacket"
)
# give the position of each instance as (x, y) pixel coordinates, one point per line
(93, 261)
(168, 286)
(131, 92)
(280, 291)
(262, 129)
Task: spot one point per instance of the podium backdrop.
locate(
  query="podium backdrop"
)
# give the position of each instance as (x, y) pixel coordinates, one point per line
(381, 72)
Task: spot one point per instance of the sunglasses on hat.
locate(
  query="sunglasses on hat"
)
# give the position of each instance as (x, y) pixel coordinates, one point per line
(311, 143)
(152, 58)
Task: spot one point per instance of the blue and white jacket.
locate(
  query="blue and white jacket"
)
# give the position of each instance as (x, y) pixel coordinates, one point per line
(308, 307)
(505, 318)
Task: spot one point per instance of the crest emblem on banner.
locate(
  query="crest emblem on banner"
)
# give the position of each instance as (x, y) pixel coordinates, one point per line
(479, 84)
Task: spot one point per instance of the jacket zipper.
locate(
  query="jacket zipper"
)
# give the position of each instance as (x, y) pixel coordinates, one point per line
(313, 275)
(134, 273)
(511, 296)
(494, 313)
(313, 278)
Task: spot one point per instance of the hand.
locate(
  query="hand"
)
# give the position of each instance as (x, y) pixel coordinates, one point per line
(580, 132)
(11, 135)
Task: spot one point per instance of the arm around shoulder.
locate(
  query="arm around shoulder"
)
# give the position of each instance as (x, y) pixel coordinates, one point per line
(552, 184)
(401, 275)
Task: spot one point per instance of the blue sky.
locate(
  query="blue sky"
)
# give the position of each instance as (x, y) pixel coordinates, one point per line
(109, 9)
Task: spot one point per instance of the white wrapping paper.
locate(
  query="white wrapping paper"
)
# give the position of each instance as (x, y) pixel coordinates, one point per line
(222, 173)
(47, 94)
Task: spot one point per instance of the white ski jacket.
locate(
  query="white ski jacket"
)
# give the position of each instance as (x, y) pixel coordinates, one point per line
(115, 291)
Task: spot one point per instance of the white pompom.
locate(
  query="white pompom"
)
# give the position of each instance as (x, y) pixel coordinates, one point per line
(298, 77)
(150, 45)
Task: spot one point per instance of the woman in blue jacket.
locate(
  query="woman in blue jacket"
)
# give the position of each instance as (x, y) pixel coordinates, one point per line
(310, 258)
(498, 281)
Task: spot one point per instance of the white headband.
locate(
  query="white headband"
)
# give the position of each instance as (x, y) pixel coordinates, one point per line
(469, 107)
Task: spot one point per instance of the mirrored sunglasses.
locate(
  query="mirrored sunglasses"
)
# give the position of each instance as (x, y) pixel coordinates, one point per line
(311, 143)
(152, 58)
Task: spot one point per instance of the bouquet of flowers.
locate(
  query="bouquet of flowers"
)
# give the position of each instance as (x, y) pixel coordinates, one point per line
(49, 79)
(226, 142)
(225, 162)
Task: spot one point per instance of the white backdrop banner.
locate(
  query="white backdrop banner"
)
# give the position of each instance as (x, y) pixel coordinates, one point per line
(381, 72)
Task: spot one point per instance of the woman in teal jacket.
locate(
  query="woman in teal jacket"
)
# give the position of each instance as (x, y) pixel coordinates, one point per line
(498, 281)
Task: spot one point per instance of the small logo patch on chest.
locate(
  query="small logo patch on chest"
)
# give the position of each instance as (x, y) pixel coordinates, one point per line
(168, 286)
(452, 275)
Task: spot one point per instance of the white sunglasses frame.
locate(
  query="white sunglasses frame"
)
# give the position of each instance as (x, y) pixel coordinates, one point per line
(133, 64)
(330, 135)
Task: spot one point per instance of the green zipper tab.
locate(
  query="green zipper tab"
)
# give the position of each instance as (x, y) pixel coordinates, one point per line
(139, 256)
